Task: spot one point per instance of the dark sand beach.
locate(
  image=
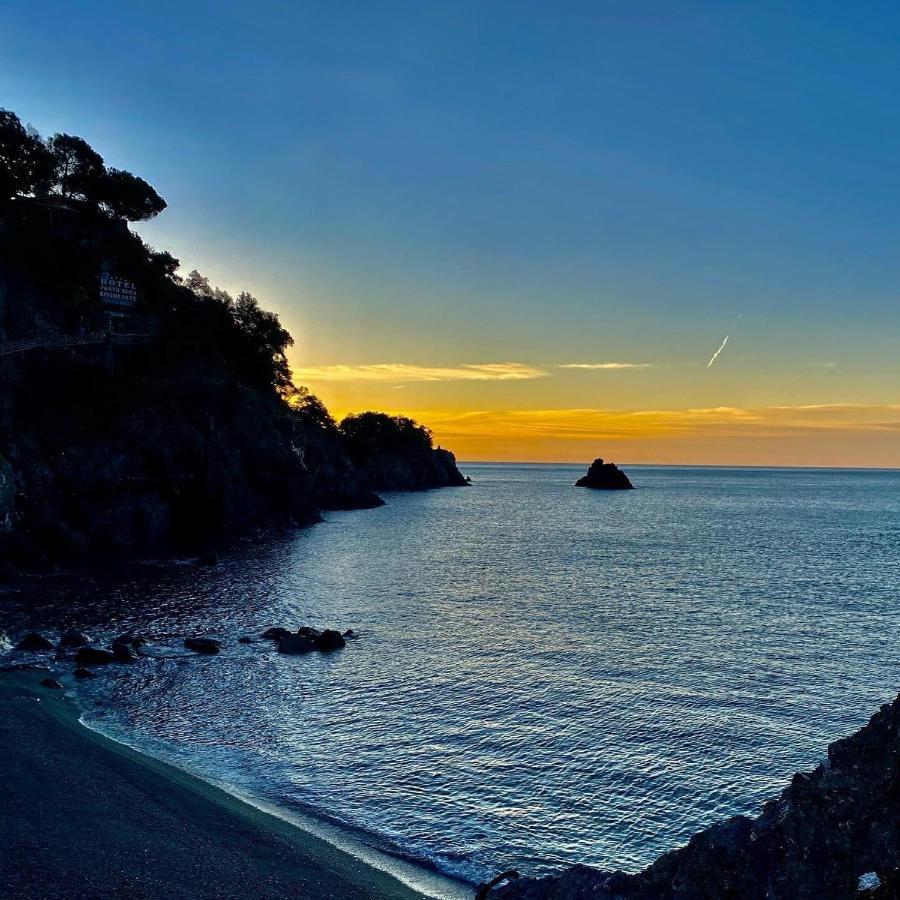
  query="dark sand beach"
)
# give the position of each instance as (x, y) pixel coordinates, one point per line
(83, 816)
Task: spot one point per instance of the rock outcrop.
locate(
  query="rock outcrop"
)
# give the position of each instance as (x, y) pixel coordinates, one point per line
(604, 476)
(396, 454)
(834, 833)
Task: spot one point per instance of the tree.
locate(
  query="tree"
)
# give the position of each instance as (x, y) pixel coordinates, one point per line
(308, 408)
(127, 196)
(26, 166)
(252, 337)
(370, 434)
(198, 284)
(164, 264)
(78, 168)
(266, 334)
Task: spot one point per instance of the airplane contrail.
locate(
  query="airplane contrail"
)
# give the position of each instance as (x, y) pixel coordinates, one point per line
(715, 355)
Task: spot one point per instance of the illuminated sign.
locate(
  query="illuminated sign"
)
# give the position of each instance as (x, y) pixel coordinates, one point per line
(117, 291)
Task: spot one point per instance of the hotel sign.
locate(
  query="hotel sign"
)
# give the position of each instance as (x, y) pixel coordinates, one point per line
(117, 291)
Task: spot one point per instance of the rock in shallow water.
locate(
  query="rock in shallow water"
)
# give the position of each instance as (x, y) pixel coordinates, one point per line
(202, 645)
(275, 634)
(130, 637)
(308, 639)
(296, 644)
(72, 637)
(330, 640)
(51, 683)
(124, 652)
(34, 641)
(94, 656)
(81, 672)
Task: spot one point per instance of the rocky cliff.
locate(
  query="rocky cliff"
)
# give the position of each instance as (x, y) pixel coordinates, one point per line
(833, 833)
(175, 436)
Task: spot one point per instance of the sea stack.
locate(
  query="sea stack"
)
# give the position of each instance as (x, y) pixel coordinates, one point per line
(603, 476)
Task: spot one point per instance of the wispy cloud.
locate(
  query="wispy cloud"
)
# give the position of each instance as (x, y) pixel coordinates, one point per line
(715, 355)
(605, 365)
(619, 424)
(507, 371)
(815, 434)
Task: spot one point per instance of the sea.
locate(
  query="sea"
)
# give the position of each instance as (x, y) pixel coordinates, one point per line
(543, 674)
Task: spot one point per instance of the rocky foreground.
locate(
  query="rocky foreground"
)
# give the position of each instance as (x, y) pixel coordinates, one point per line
(833, 833)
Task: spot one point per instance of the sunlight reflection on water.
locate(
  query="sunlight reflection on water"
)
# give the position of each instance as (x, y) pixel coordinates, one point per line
(544, 674)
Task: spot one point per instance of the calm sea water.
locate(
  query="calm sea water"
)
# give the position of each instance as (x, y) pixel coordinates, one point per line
(544, 674)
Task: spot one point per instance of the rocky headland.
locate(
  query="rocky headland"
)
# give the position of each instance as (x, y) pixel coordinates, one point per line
(146, 412)
(604, 476)
(834, 833)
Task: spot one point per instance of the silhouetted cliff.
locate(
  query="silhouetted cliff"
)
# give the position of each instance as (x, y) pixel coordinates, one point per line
(142, 411)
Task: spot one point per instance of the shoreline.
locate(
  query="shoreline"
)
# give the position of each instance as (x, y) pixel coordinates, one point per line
(427, 881)
(86, 814)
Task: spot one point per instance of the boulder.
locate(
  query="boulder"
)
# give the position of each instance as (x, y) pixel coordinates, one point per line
(275, 634)
(81, 672)
(51, 683)
(245, 640)
(124, 652)
(349, 633)
(603, 476)
(93, 656)
(34, 641)
(297, 643)
(131, 637)
(330, 640)
(202, 645)
(308, 631)
(72, 637)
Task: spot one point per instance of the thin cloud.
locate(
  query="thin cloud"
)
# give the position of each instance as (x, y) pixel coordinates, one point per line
(605, 365)
(715, 355)
(402, 372)
(596, 426)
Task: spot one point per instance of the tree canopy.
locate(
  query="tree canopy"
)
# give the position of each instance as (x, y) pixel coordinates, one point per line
(369, 434)
(256, 340)
(26, 163)
(128, 197)
(77, 168)
(67, 166)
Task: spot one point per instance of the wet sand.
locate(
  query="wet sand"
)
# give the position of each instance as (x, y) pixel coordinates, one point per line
(84, 816)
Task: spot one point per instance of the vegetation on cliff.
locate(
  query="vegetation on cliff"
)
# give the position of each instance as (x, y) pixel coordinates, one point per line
(168, 420)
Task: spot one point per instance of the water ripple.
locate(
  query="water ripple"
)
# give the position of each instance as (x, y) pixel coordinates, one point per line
(544, 675)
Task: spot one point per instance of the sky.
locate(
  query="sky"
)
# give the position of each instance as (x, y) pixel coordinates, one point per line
(528, 225)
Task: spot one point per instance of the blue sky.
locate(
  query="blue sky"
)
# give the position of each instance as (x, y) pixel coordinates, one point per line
(467, 183)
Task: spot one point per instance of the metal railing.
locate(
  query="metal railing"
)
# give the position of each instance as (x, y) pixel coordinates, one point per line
(64, 341)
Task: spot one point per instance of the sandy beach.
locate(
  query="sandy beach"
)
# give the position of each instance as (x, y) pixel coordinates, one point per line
(84, 816)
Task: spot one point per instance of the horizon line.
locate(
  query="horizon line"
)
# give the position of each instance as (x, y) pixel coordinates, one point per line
(524, 462)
